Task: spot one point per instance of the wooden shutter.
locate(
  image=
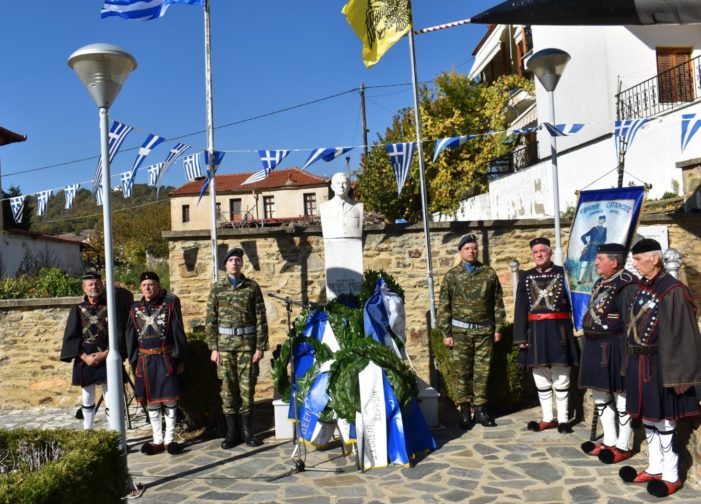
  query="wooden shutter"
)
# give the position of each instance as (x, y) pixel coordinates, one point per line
(675, 77)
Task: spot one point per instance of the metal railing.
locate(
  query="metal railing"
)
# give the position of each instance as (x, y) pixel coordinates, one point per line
(518, 159)
(664, 92)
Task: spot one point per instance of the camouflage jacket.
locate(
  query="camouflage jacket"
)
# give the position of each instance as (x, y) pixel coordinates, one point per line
(233, 307)
(473, 298)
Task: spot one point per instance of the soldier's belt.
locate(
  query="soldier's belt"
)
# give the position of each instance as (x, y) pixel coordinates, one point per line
(600, 335)
(642, 350)
(238, 331)
(549, 316)
(155, 351)
(467, 325)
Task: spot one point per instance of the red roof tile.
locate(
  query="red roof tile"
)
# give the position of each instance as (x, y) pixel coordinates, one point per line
(231, 183)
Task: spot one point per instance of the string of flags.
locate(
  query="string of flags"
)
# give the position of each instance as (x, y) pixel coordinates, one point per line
(401, 157)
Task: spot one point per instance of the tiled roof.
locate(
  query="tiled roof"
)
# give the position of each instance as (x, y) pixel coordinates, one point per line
(8, 137)
(231, 183)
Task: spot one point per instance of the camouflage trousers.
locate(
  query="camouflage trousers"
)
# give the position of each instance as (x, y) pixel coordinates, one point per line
(470, 358)
(238, 375)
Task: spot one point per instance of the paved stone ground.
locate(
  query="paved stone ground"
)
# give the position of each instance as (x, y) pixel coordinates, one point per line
(502, 464)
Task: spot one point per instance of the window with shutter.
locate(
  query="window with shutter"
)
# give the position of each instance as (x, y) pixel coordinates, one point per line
(675, 76)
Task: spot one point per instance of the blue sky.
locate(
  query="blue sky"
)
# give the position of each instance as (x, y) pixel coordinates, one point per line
(267, 55)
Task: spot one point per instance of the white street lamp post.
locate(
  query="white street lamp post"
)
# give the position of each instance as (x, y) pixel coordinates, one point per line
(103, 68)
(548, 66)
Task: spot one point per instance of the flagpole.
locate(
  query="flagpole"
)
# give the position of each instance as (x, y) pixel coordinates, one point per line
(422, 177)
(211, 166)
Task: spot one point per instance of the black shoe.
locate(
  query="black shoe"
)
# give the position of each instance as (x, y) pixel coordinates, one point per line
(248, 436)
(174, 448)
(233, 437)
(152, 449)
(482, 417)
(466, 420)
(564, 428)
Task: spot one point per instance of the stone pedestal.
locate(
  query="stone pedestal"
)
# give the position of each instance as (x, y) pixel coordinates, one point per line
(344, 266)
(284, 427)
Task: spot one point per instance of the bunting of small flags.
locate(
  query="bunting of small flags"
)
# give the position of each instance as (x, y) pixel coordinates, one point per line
(401, 156)
(325, 154)
(174, 154)
(118, 132)
(43, 198)
(449, 143)
(218, 158)
(205, 185)
(690, 125)
(69, 195)
(17, 206)
(98, 196)
(126, 183)
(153, 173)
(256, 177)
(558, 130)
(624, 132)
(151, 142)
(192, 166)
(270, 160)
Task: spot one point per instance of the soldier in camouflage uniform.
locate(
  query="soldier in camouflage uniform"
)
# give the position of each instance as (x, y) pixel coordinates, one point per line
(471, 317)
(237, 335)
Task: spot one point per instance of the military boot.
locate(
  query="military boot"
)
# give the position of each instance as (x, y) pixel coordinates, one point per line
(248, 436)
(482, 416)
(466, 420)
(233, 437)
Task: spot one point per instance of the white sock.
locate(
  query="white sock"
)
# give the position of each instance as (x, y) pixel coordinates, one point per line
(670, 458)
(607, 415)
(544, 384)
(156, 425)
(170, 414)
(88, 406)
(625, 430)
(654, 450)
(561, 384)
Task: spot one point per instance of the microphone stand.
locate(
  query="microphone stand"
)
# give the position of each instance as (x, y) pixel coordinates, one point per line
(299, 454)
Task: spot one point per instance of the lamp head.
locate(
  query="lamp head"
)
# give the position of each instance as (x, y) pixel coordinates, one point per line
(548, 65)
(102, 68)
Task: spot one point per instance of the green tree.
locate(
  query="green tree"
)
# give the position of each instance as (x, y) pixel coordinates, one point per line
(456, 106)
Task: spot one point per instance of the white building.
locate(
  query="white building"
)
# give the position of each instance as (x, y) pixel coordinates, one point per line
(615, 73)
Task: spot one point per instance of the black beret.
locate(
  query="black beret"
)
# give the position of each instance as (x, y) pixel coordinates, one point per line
(91, 275)
(149, 275)
(236, 251)
(611, 248)
(468, 238)
(646, 245)
(602, 217)
(539, 241)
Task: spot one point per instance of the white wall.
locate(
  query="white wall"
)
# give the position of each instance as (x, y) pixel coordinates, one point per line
(14, 248)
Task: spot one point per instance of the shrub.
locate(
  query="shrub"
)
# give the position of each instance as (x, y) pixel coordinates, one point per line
(61, 466)
(48, 282)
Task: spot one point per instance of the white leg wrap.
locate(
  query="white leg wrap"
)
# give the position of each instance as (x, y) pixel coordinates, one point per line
(543, 382)
(603, 401)
(670, 458)
(561, 384)
(625, 430)
(88, 406)
(170, 414)
(156, 425)
(655, 458)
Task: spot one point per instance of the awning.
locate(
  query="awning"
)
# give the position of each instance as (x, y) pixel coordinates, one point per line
(489, 49)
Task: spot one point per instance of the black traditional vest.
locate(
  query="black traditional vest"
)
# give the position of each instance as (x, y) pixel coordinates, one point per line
(152, 322)
(546, 290)
(643, 327)
(93, 321)
(603, 317)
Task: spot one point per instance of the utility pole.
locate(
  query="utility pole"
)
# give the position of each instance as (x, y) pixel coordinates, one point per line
(365, 125)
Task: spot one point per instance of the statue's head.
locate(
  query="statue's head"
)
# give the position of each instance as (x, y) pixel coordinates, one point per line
(340, 184)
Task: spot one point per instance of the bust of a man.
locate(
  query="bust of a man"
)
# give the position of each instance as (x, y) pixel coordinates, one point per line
(341, 217)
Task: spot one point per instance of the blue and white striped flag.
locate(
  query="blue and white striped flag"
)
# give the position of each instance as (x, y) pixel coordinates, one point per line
(449, 143)
(624, 132)
(141, 10)
(43, 198)
(126, 183)
(149, 144)
(17, 206)
(401, 156)
(327, 154)
(205, 185)
(153, 172)
(218, 158)
(98, 196)
(174, 154)
(272, 158)
(192, 166)
(256, 177)
(118, 132)
(558, 130)
(69, 195)
(521, 131)
(690, 125)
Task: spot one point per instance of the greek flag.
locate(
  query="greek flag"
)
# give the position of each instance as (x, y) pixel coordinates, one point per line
(17, 206)
(256, 177)
(125, 181)
(192, 166)
(205, 185)
(98, 196)
(558, 130)
(690, 125)
(149, 144)
(401, 156)
(624, 132)
(272, 158)
(449, 143)
(43, 198)
(327, 154)
(141, 10)
(69, 195)
(174, 154)
(153, 172)
(218, 157)
(118, 132)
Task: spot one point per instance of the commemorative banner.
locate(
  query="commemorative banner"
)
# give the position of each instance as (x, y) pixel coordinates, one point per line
(602, 216)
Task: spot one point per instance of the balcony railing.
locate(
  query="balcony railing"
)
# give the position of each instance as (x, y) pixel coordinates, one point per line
(518, 159)
(664, 92)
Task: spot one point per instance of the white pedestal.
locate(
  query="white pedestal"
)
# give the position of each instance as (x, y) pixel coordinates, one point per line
(343, 258)
(428, 402)
(284, 427)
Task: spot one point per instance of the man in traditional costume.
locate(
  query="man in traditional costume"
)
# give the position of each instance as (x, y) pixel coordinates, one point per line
(603, 354)
(663, 365)
(471, 317)
(543, 331)
(156, 346)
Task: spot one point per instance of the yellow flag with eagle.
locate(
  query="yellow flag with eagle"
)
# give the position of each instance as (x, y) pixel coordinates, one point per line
(379, 24)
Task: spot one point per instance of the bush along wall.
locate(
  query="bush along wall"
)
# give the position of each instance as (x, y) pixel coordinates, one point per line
(49, 466)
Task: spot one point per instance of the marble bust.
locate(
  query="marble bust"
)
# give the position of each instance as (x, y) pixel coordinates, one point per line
(341, 217)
